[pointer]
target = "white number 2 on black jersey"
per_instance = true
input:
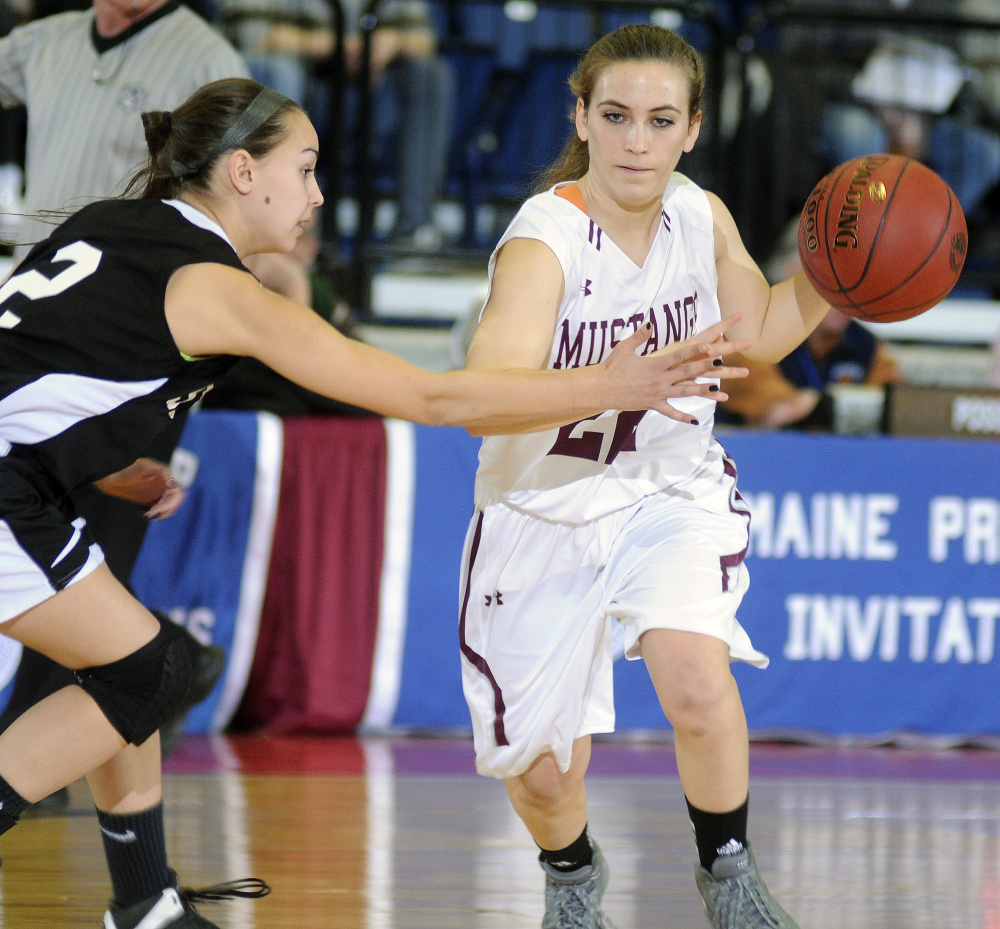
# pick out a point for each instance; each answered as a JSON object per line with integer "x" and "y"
{"x": 83, "y": 259}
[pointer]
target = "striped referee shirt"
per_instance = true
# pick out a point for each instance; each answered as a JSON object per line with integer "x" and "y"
{"x": 84, "y": 96}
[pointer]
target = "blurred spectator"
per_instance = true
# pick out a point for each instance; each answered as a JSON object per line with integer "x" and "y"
{"x": 823, "y": 90}
{"x": 766, "y": 399}
{"x": 840, "y": 351}
{"x": 903, "y": 98}
{"x": 413, "y": 88}
{"x": 794, "y": 394}
{"x": 412, "y": 110}
{"x": 281, "y": 41}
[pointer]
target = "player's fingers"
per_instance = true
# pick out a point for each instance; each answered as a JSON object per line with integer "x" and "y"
{"x": 719, "y": 329}
{"x": 714, "y": 335}
{"x": 679, "y": 415}
{"x": 730, "y": 371}
{"x": 635, "y": 341}
{"x": 706, "y": 349}
{"x": 718, "y": 350}
{"x": 705, "y": 391}
{"x": 168, "y": 503}
{"x": 705, "y": 367}
{"x": 721, "y": 348}
{"x": 672, "y": 413}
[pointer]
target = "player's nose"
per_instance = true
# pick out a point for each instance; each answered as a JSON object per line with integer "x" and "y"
{"x": 638, "y": 138}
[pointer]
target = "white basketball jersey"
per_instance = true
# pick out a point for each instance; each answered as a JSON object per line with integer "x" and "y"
{"x": 587, "y": 469}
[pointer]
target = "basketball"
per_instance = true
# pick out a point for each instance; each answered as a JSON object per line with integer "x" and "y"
{"x": 883, "y": 238}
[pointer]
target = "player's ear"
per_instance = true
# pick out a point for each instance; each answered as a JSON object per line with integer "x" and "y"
{"x": 241, "y": 170}
{"x": 694, "y": 127}
{"x": 581, "y": 119}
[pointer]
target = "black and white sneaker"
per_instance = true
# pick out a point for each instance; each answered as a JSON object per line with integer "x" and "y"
{"x": 173, "y": 907}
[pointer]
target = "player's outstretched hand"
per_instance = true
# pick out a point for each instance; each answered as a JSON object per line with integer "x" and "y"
{"x": 681, "y": 369}
{"x": 146, "y": 482}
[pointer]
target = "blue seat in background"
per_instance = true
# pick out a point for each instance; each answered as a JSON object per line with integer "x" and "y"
{"x": 695, "y": 30}
{"x": 536, "y": 126}
{"x": 562, "y": 29}
{"x": 512, "y": 62}
{"x": 512, "y": 113}
{"x": 486, "y": 25}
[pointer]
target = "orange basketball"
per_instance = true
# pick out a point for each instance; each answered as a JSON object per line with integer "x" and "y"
{"x": 883, "y": 238}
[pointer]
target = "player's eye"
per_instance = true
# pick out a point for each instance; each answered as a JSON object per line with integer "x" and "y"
{"x": 613, "y": 116}
{"x": 662, "y": 122}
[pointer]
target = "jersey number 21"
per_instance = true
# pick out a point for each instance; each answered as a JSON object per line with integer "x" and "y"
{"x": 589, "y": 443}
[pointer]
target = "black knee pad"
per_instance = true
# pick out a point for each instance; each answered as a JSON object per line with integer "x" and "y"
{"x": 139, "y": 692}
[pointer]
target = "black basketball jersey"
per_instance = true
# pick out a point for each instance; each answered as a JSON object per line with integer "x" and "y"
{"x": 89, "y": 372}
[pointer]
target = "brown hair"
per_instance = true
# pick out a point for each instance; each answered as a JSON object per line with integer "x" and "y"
{"x": 222, "y": 116}
{"x": 640, "y": 42}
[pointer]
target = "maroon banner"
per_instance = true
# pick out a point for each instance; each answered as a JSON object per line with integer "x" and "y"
{"x": 313, "y": 663}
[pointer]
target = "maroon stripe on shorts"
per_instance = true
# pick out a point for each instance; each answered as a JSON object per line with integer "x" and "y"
{"x": 738, "y": 506}
{"x": 477, "y": 661}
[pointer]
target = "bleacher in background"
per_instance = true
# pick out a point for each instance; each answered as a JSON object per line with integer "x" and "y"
{"x": 771, "y": 68}
{"x": 768, "y": 79}
{"x": 512, "y": 61}
{"x": 769, "y": 76}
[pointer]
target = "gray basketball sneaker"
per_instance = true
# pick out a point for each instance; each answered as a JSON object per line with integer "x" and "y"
{"x": 736, "y": 898}
{"x": 573, "y": 899}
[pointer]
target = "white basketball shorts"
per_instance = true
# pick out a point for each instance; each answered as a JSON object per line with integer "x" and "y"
{"x": 538, "y": 600}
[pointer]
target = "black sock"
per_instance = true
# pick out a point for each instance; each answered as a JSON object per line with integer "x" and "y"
{"x": 718, "y": 833}
{"x": 12, "y": 805}
{"x": 576, "y": 855}
{"x": 136, "y": 853}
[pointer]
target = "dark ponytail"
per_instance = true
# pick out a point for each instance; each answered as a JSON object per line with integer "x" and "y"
{"x": 157, "y": 127}
{"x": 185, "y": 143}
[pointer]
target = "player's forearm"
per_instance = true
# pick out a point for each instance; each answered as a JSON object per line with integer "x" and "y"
{"x": 522, "y": 400}
{"x": 794, "y": 310}
{"x": 368, "y": 377}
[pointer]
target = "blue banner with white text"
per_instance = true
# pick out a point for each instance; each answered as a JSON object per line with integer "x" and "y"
{"x": 874, "y": 565}
{"x": 875, "y": 588}
{"x": 875, "y": 584}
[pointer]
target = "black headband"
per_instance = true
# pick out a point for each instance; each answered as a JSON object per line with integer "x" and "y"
{"x": 261, "y": 109}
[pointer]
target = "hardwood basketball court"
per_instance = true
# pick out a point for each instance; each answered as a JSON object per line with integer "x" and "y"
{"x": 401, "y": 834}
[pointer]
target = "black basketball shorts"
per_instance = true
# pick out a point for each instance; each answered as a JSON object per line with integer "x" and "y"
{"x": 43, "y": 547}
